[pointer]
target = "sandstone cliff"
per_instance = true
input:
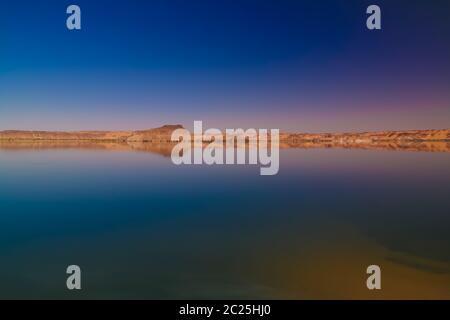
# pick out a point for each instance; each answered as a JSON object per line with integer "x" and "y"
{"x": 55, "y": 135}
{"x": 369, "y": 137}
{"x": 162, "y": 134}
{"x": 159, "y": 139}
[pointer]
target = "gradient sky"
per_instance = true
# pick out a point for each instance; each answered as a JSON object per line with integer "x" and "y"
{"x": 296, "y": 65}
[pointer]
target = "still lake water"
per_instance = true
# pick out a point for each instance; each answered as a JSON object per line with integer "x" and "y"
{"x": 141, "y": 227}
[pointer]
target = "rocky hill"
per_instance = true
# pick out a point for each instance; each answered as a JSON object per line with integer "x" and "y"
{"x": 162, "y": 134}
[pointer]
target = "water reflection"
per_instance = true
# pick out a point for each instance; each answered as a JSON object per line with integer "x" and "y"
{"x": 165, "y": 148}
{"x": 141, "y": 227}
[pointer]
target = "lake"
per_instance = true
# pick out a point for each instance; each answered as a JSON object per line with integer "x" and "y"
{"x": 141, "y": 227}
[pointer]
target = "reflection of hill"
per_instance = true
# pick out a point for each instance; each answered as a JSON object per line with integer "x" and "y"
{"x": 165, "y": 148}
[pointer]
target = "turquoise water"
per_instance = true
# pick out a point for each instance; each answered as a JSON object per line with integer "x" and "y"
{"x": 141, "y": 227}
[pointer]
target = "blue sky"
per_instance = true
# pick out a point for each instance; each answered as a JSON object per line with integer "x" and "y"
{"x": 295, "y": 65}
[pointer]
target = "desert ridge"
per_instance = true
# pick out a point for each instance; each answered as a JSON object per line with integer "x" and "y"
{"x": 164, "y": 133}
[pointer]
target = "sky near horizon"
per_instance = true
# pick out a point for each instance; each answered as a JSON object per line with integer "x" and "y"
{"x": 295, "y": 65}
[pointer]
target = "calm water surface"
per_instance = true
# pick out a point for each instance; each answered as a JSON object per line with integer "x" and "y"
{"x": 140, "y": 227}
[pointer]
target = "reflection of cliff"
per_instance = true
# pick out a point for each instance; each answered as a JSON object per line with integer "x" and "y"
{"x": 158, "y": 140}
{"x": 163, "y": 149}
{"x": 430, "y": 146}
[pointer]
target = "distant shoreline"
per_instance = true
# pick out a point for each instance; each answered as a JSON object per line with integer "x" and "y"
{"x": 159, "y": 140}
{"x": 163, "y": 134}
